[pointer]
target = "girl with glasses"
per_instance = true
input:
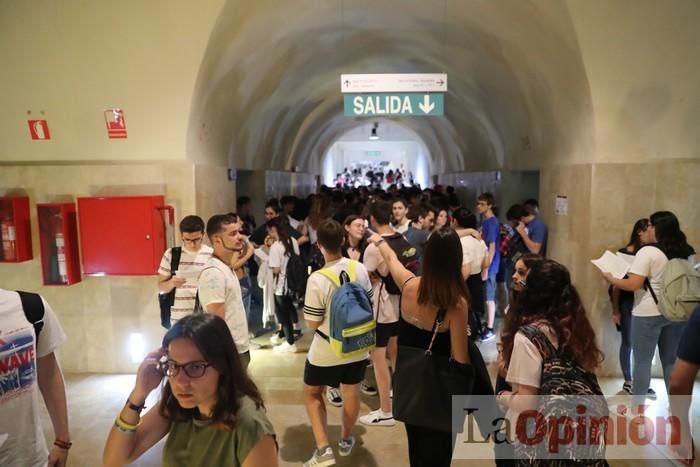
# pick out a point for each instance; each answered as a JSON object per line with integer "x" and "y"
{"x": 209, "y": 408}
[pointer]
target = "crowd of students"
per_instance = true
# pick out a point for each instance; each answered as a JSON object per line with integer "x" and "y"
{"x": 428, "y": 276}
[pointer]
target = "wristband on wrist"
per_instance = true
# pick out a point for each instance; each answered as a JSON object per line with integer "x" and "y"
{"x": 134, "y": 407}
{"x": 125, "y": 427}
{"x": 63, "y": 444}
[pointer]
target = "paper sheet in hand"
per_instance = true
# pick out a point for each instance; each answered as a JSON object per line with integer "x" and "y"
{"x": 613, "y": 264}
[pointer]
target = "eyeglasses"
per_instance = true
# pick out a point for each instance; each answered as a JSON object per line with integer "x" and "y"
{"x": 193, "y": 241}
{"x": 192, "y": 369}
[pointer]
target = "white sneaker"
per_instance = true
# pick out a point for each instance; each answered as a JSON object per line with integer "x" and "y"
{"x": 378, "y": 418}
{"x": 333, "y": 396}
{"x": 345, "y": 446}
{"x": 285, "y": 347}
{"x": 275, "y": 339}
{"x": 321, "y": 459}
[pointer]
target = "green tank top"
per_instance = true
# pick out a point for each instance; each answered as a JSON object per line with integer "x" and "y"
{"x": 197, "y": 443}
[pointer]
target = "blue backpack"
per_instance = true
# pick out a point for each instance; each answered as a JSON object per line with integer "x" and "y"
{"x": 352, "y": 324}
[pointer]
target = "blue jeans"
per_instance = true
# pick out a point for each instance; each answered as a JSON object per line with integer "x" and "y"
{"x": 626, "y": 338}
{"x": 647, "y": 333}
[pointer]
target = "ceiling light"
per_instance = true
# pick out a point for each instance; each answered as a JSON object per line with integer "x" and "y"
{"x": 373, "y": 134}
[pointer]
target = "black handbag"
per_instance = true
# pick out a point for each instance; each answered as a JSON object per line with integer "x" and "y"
{"x": 424, "y": 384}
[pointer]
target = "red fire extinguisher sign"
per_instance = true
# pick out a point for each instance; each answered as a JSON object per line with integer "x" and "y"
{"x": 116, "y": 125}
{"x": 39, "y": 129}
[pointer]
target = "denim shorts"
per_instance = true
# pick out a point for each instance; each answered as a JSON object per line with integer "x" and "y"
{"x": 490, "y": 285}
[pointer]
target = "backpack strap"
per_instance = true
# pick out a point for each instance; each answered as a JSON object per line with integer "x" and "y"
{"x": 647, "y": 287}
{"x": 335, "y": 278}
{"x": 175, "y": 254}
{"x": 33, "y": 307}
{"x": 541, "y": 341}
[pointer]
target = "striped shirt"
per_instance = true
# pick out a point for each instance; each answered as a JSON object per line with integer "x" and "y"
{"x": 191, "y": 264}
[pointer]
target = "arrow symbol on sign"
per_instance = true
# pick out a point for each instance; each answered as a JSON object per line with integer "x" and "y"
{"x": 441, "y": 82}
{"x": 347, "y": 83}
{"x": 426, "y": 106}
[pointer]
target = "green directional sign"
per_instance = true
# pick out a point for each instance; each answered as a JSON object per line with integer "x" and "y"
{"x": 411, "y": 104}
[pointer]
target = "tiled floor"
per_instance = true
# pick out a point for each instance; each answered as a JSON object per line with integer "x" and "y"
{"x": 94, "y": 400}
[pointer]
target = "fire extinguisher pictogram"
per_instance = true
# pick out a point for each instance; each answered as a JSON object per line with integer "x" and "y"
{"x": 7, "y": 233}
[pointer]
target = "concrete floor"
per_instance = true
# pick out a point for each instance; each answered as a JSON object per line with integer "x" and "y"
{"x": 95, "y": 399}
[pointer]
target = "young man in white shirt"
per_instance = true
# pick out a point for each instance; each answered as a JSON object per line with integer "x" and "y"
{"x": 386, "y": 308}
{"x": 323, "y": 368}
{"x": 28, "y": 367}
{"x": 219, "y": 288}
{"x": 193, "y": 257}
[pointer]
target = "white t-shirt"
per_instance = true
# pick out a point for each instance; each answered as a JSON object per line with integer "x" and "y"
{"x": 218, "y": 284}
{"x": 191, "y": 264}
{"x": 526, "y": 361}
{"x": 319, "y": 292}
{"x": 473, "y": 252}
{"x": 386, "y": 306}
{"x": 22, "y": 442}
{"x": 313, "y": 235}
{"x": 648, "y": 262}
{"x": 403, "y": 227}
{"x": 279, "y": 259}
{"x": 526, "y": 364}
{"x": 293, "y": 222}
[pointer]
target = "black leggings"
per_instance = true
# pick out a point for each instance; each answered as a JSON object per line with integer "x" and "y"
{"x": 286, "y": 314}
{"x": 429, "y": 448}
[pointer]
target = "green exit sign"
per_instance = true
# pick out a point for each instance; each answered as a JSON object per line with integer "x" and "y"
{"x": 400, "y": 104}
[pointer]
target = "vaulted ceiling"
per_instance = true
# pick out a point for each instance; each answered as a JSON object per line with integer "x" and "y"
{"x": 268, "y": 92}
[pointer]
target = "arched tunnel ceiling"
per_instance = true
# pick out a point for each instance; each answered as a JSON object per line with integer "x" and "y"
{"x": 268, "y": 91}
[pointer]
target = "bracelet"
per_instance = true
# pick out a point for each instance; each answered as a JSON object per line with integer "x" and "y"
{"x": 63, "y": 444}
{"x": 125, "y": 427}
{"x": 134, "y": 407}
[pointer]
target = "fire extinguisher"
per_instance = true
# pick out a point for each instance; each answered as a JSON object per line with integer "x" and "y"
{"x": 61, "y": 257}
{"x": 7, "y": 233}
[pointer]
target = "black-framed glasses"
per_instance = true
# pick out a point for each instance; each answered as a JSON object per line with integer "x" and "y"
{"x": 191, "y": 369}
{"x": 193, "y": 241}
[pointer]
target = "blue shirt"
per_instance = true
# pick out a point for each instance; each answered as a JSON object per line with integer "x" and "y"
{"x": 491, "y": 231}
{"x": 537, "y": 231}
{"x": 688, "y": 348}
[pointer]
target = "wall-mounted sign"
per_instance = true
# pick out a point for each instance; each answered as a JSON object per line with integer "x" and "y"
{"x": 561, "y": 205}
{"x": 394, "y": 82}
{"x": 417, "y": 105}
{"x": 39, "y": 129}
{"x": 116, "y": 125}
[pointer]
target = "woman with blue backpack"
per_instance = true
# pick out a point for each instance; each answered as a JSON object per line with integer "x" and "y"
{"x": 650, "y": 328}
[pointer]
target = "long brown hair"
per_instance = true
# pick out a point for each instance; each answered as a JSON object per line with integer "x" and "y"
{"x": 549, "y": 296}
{"x": 441, "y": 283}
{"x": 213, "y": 339}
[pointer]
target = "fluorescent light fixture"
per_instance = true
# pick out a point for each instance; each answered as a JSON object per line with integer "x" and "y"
{"x": 137, "y": 347}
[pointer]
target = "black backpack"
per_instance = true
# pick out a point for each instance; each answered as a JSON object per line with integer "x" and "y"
{"x": 33, "y": 308}
{"x": 297, "y": 274}
{"x": 407, "y": 255}
{"x": 166, "y": 300}
{"x": 563, "y": 375}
